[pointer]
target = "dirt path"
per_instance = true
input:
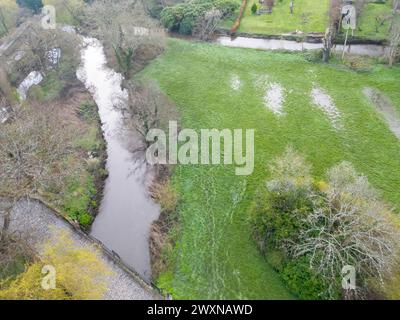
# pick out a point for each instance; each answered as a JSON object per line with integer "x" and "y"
{"x": 384, "y": 106}
{"x": 34, "y": 218}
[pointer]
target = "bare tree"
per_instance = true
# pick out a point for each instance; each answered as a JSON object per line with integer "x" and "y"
{"x": 335, "y": 16}
{"x": 270, "y": 5}
{"x": 126, "y": 28}
{"x": 327, "y": 44}
{"x": 332, "y": 30}
{"x": 145, "y": 109}
{"x": 206, "y": 24}
{"x": 351, "y": 228}
{"x": 35, "y": 147}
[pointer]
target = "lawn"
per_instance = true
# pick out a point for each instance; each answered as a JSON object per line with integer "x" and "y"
{"x": 215, "y": 256}
{"x": 368, "y": 27}
{"x": 309, "y": 16}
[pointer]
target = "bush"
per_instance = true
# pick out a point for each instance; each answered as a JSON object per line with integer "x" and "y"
{"x": 323, "y": 226}
{"x": 171, "y": 17}
{"x": 254, "y": 8}
{"x": 88, "y": 111}
{"x": 183, "y": 17}
{"x": 164, "y": 194}
{"x": 304, "y": 282}
{"x": 313, "y": 55}
{"x": 358, "y": 63}
{"x": 227, "y": 7}
{"x": 85, "y": 219}
{"x": 284, "y": 201}
{"x": 280, "y": 214}
{"x": 276, "y": 259}
{"x": 78, "y": 200}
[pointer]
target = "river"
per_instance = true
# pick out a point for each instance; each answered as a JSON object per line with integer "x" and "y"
{"x": 126, "y": 210}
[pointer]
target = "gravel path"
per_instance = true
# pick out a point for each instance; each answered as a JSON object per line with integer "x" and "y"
{"x": 35, "y": 219}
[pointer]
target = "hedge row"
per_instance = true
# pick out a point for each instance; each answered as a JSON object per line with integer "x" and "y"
{"x": 182, "y": 17}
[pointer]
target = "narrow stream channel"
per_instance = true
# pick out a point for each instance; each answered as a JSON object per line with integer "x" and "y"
{"x": 275, "y": 44}
{"x": 126, "y": 211}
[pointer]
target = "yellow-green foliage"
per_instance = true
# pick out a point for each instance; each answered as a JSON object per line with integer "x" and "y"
{"x": 80, "y": 274}
{"x": 27, "y": 286}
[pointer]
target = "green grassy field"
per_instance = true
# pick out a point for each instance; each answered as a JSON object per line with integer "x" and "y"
{"x": 312, "y": 16}
{"x": 309, "y": 16}
{"x": 367, "y": 26}
{"x": 215, "y": 256}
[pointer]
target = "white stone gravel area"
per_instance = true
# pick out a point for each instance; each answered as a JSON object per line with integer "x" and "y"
{"x": 33, "y": 218}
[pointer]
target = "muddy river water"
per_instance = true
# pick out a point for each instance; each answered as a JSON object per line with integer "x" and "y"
{"x": 126, "y": 211}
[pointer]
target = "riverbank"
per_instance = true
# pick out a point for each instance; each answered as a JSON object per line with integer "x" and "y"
{"x": 310, "y": 37}
{"x": 290, "y": 45}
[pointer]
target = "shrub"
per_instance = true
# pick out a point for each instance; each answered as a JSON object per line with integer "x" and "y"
{"x": 304, "y": 282}
{"x": 279, "y": 216}
{"x": 171, "y": 16}
{"x": 276, "y": 259}
{"x": 164, "y": 194}
{"x": 78, "y": 199}
{"x": 323, "y": 226}
{"x": 227, "y": 7}
{"x": 357, "y": 63}
{"x": 183, "y": 17}
{"x": 85, "y": 219}
{"x": 284, "y": 201}
{"x": 313, "y": 55}
{"x": 254, "y": 8}
{"x": 88, "y": 111}
{"x": 348, "y": 226}
{"x": 164, "y": 231}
